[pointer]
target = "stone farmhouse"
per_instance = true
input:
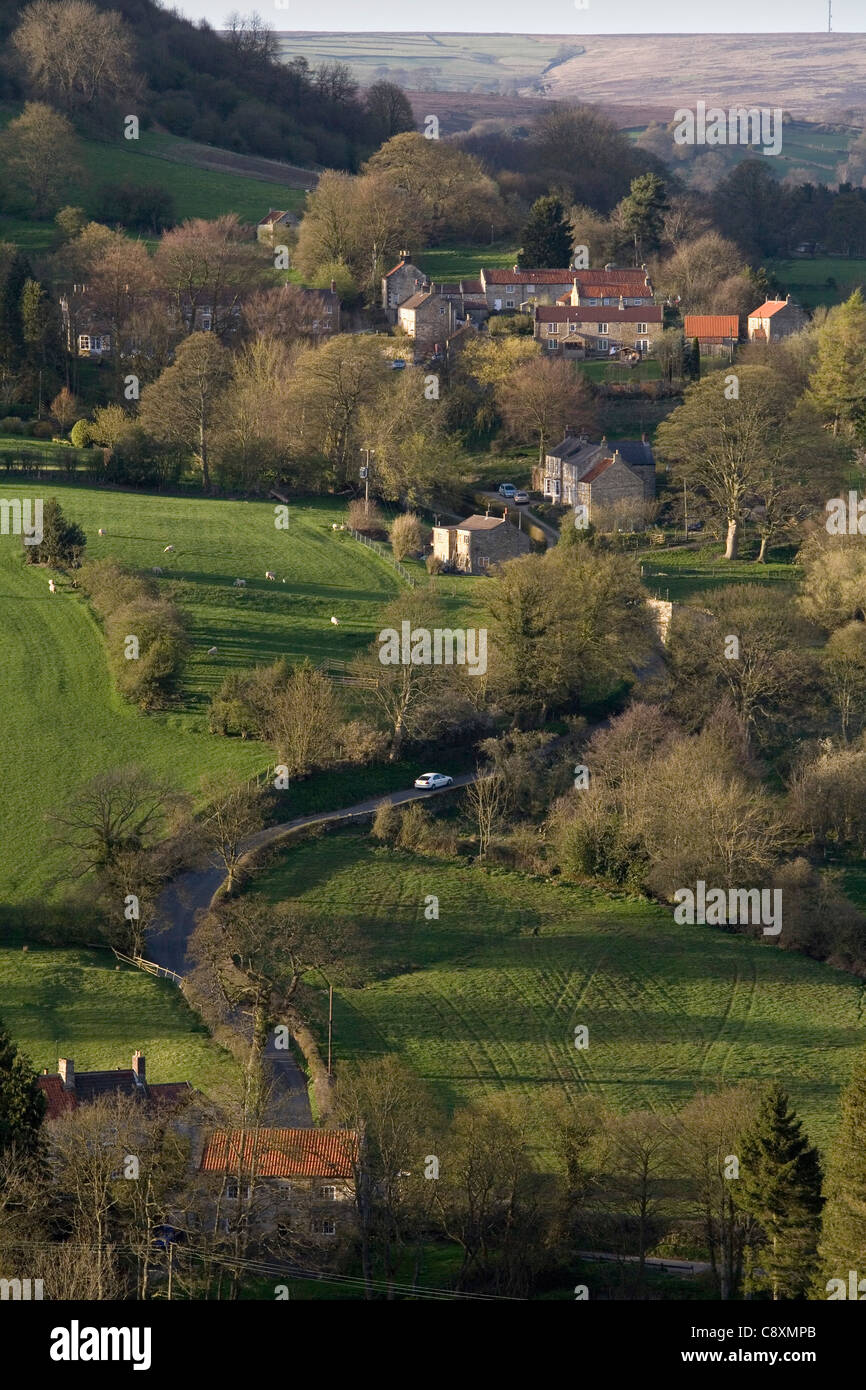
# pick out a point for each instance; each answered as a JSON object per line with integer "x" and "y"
{"x": 506, "y": 290}
{"x": 582, "y": 330}
{"x": 428, "y": 317}
{"x": 310, "y": 1174}
{"x": 717, "y": 334}
{"x": 399, "y": 284}
{"x": 66, "y": 1089}
{"x": 475, "y": 545}
{"x": 613, "y": 491}
{"x": 570, "y": 462}
{"x": 775, "y": 319}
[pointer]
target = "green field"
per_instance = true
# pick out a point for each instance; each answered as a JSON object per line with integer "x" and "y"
{"x": 152, "y": 159}
{"x": 76, "y": 1004}
{"x": 686, "y": 573}
{"x": 476, "y": 1004}
{"x": 465, "y": 262}
{"x": 60, "y": 712}
{"x": 807, "y": 280}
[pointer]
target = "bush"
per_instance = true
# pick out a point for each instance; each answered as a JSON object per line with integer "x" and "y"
{"x": 406, "y": 536}
{"x": 138, "y": 207}
{"x": 362, "y": 743}
{"x": 40, "y": 429}
{"x": 130, "y": 606}
{"x": 80, "y": 435}
{"x": 435, "y": 564}
{"x": 386, "y": 823}
{"x": 11, "y": 425}
{"x": 369, "y": 521}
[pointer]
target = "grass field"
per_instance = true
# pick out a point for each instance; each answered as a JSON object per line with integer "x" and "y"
{"x": 152, "y": 160}
{"x": 476, "y": 1004}
{"x": 685, "y": 574}
{"x": 74, "y": 1003}
{"x": 821, "y": 279}
{"x": 465, "y": 262}
{"x": 60, "y": 712}
{"x": 430, "y": 62}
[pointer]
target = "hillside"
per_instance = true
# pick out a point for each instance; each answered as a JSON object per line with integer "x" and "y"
{"x": 814, "y": 76}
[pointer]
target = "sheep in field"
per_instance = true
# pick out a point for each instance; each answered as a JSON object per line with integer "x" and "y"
{"x": 211, "y": 651}
{"x": 336, "y": 622}
{"x": 52, "y": 587}
{"x": 269, "y": 574}
{"x": 240, "y": 583}
{"x": 168, "y": 549}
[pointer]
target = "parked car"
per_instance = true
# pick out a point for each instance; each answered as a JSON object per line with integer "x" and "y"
{"x": 430, "y": 780}
{"x": 520, "y": 497}
{"x": 507, "y": 489}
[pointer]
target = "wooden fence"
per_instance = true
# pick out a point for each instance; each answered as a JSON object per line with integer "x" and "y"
{"x": 150, "y": 967}
{"x": 342, "y": 673}
{"x": 385, "y": 554}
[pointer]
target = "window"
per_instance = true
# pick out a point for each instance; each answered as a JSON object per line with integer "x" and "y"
{"x": 641, "y": 328}
{"x": 483, "y": 561}
{"x": 572, "y": 328}
{"x": 642, "y": 344}
{"x": 553, "y": 328}
{"x": 326, "y": 1228}
{"x": 602, "y": 328}
{"x": 552, "y": 344}
{"x": 233, "y": 1190}
{"x": 603, "y": 344}
{"x": 205, "y": 323}
{"x": 328, "y": 1193}
{"x": 509, "y": 289}
{"x": 84, "y": 342}
{"x": 96, "y": 344}
{"x": 509, "y": 303}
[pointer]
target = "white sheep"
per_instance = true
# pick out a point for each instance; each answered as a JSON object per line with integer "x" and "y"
{"x": 168, "y": 549}
{"x": 157, "y": 569}
{"x": 101, "y": 531}
{"x": 52, "y": 587}
{"x": 269, "y": 574}
{"x": 334, "y": 526}
{"x": 336, "y": 622}
{"x": 240, "y": 583}
{"x": 211, "y": 651}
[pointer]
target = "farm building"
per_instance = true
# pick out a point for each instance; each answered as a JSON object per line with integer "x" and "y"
{"x": 474, "y": 545}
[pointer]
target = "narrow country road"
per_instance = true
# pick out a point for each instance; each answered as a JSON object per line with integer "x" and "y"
{"x": 191, "y": 892}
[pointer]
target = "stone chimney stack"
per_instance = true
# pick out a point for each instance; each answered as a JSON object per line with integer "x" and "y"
{"x": 66, "y": 1067}
{"x": 138, "y": 1068}
{"x": 333, "y": 287}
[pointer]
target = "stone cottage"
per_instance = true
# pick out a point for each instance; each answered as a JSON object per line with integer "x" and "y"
{"x": 473, "y": 546}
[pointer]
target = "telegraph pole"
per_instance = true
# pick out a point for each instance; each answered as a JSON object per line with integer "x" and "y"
{"x": 365, "y": 474}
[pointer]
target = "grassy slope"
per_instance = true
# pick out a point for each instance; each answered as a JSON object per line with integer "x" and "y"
{"x": 685, "y": 574}
{"x": 196, "y": 192}
{"x": 74, "y": 1003}
{"x": 59, "y": 709}
{"x": 806, "y": 279}
{"x": 475, "y": 1003}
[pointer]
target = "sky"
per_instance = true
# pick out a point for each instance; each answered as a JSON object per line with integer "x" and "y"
{"x": 544, "y": 16}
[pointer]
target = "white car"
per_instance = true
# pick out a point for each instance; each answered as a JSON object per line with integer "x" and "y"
{"x": 520, "y": 497}
{"x": 431, "y": 780}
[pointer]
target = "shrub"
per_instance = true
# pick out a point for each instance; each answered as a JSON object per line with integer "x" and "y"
{"x": 435, "y": 564}
{"x": 80, "y": 435}
{"x": 40, "y": 429}
{"x": 386, "y": 823}
{"x": 11, "y": 425}
{"x": 139, "y": 207}
{"x": 406, "y": 536}
{"x": 362, "y": 743}
{"x": 368, "y": 520}
{"x": 130, "y": 606}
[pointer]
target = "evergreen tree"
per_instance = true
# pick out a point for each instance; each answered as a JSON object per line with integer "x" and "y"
{"x": 843, "y": 1237}
{"x": 14, "y": 271}
{"x": 780, "y": 1188}
{"x": 22, "y": 1104}
{"x": 695, "y": 360}
{"x": 641, "y": 214}
{"x": 838, "y": 384}
{"x": 546, "y": 237}
{"x": 62, "y": 541}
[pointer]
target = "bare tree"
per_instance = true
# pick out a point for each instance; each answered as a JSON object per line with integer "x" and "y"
{"x": 234, "y": 814}
{"x": 488, "y": 797}
{"x": 118, "y": 811}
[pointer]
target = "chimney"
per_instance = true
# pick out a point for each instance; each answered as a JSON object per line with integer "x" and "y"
{"x": 66, "y": 1067}
{"x": 333, "y": 287}
{"x": 138, "y": 1068}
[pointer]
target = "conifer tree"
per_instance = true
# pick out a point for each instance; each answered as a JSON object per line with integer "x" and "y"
{"x": 22, "y": 1104}
{"x": 780, "y": 1188}
{"x": 843, "y": 1236}
{"x": 546, "y": 237}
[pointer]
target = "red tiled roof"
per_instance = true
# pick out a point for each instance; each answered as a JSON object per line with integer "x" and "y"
{"x": 712, "y": 326}
{"x": 529, "y": 277}
{"x": 283, "y": 1153}
{"x": 598, "y": 313}
{"x": 57, "y": 1100}
{"x": 597, "y": 468}
{"x": 768, "y": 309}
{"x": 272, "y": 216}
{"x": 398, "y": 266}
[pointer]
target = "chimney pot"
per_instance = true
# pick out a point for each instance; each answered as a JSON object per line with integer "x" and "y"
{"x": 138, "y": 1067}
{"x": 66, "y": 1067}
